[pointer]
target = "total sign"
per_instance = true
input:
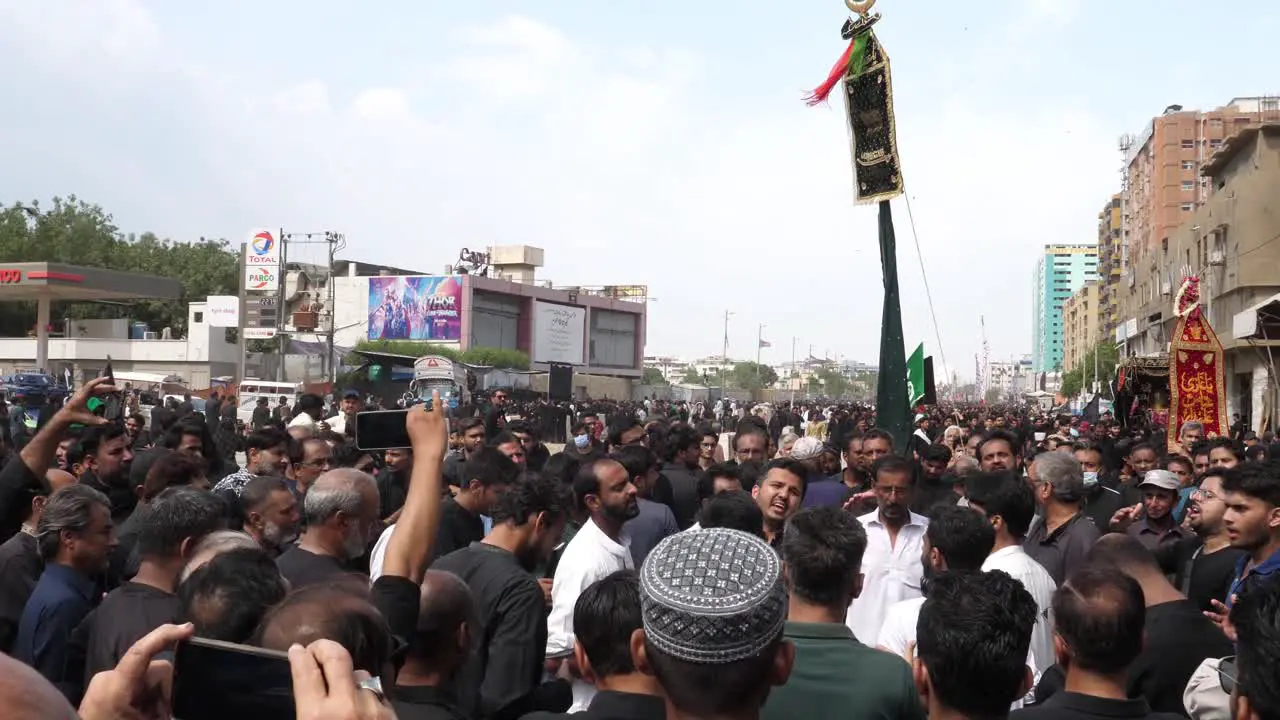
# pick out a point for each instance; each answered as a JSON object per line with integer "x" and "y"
{"x": 261, "y": 278}
{"x": 262, "y": 249}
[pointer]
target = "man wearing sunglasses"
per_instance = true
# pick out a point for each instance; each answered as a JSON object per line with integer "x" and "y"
{"x": 495, "y": 418}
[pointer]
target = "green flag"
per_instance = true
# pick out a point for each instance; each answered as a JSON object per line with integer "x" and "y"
{"x": 915, "y": 376}
{"x": 893, "y": 409}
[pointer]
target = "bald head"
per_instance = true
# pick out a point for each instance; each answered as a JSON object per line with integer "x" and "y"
{"x": 59, "y": 479}
{"x": 446, "y": 605}
{"x": 28, "y": 696}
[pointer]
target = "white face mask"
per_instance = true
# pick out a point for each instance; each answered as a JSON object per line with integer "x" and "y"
{"x": 1090, "y": 479}
{"x": 581, "y": 441}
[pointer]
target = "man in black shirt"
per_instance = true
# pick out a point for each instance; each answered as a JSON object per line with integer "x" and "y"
{"x": 1203, "y": 566}
{"x": 495, "y": 418}
{"x": 20, "y": 563}
{"x": 107, "y": 456}
{"x": 1099, "y": 617}
{"x": 471, "y": 431}
{"x": 604, "y": 618}
{"x": 340, "y": 513}
{"x": 683, "y": 449}
{"x": 503, "y": 674}
{"x": 1178, "y": 636}
{"x": 436, "y": 651}
{"x": 170, "y": 527}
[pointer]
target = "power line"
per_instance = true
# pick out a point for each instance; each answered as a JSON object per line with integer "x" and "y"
{"x": 937, "y": 331}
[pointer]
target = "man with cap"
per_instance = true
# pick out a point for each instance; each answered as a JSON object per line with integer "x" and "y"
{"x": 821, "y": 490}
{"x": 920, "y": 438}
{"x": 1152, "y": 521}
{"x": 713, "y": 607}
{"x": 344, "y": 423}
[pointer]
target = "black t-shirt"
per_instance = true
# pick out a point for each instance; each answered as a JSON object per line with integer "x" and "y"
{"x": 1179, "y": 638}
{"x": 424, "y": 703}
{"x": 1075, "y": 706}
{"x": 126, "y": 615}
{"x": 1202, "y": 577}
{"x": 20, "y": 568}
{"x": 458, "y": 528}
{"x": 303, "y": 567}
{"x": 510, "y": 638}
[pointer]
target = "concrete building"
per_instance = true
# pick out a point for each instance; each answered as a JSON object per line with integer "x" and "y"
{"x": 1010, "y": 378}
{"x": 600, "y": 330}
{"x": 1230, "y": 244}
{"x": 1060, "y": 272}
{"x": 1165, "y": 164}
{"x": 1080, "y": 331}
{"x": 1110, "y": 263}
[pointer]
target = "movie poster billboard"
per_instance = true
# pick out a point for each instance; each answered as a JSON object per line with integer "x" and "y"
{"x": 415, "y": 307}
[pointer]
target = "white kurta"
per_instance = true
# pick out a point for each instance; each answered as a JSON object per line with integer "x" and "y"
{"x": 590, "y": 556}
{"x": 1020, "y": 566}
{"x": 890, "y": 573}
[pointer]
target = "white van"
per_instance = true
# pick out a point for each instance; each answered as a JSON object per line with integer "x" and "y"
{"x": 251, "y": 389}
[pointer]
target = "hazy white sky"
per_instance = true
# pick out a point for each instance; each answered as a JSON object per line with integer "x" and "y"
{"x": 660, "y": 142}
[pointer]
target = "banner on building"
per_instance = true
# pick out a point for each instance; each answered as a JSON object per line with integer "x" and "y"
{"x": 559, "y": 333}
{"x": 415, "y": 307}
{"x": 1196, "y": 376}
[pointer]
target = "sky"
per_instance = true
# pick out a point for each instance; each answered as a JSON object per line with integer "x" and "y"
{"x": 662, "y": 143}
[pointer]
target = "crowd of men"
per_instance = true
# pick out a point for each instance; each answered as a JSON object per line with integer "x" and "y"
{"x": 802, "y": 564}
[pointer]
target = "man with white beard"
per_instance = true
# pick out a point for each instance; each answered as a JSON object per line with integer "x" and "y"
{"x": 340, "y": 513}
{"x": 271, "y": 513}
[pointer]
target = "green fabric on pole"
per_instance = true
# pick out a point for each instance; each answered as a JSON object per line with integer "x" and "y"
{"x": 915, "y": 376}
{"x": 858, "y": 58}
{"x": 893, "y": 409}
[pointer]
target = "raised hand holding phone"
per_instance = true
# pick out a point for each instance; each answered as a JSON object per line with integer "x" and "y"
{"x": 76, "y": 409}
{"x": 428, "y": 429}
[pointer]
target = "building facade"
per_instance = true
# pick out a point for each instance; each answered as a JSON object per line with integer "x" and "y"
{"x": 1060, "y": 272}
{"x": 1080, "y": 325}
{"x": 1165, "y": 164}
{"x": 1110, "y": 263}
{"x": 1230, "y": 244}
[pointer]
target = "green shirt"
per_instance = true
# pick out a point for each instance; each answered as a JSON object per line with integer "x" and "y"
{"x": 835, "y": 676}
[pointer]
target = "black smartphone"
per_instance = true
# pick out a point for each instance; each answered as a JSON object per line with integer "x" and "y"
{"x": 214, "y": 680}
{"x": 382, "y": 429}
{"x": 109, "y": 373}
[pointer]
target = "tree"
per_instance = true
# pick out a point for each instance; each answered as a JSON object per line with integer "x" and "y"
{"x": 1108, "y": 356}
{"x": 752, "y": 376}
{"x": 654, "y": 376}
{"x": 691, "y": 376}
{"x": 74, "y": 232}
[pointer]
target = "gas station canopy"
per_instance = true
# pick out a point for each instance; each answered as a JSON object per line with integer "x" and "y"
{"x": 47, "y": 282}
{"x": 55, "y": 281}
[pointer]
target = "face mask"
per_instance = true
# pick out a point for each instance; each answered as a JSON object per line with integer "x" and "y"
{"x": 581, "y": 441}
{"x": 1090, "y": 479}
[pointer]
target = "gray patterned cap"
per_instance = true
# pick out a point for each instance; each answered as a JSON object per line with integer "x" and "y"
{"x": 712, "y": 596}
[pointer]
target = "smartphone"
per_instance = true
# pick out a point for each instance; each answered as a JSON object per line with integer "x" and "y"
{"x": 214, "y": 680}
{"x": 109, "y": 373}
{"x": 382, "y": 429}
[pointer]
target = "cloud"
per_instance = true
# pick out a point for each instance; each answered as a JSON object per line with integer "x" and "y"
{"x": 620, "y": 160}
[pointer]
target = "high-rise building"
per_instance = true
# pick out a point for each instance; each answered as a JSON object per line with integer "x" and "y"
{"x": 1165, "y": 161}
{"x": 1079, "y": 325}
{"x": 1060, "y": 272}
{"x": 1110, "y": 264}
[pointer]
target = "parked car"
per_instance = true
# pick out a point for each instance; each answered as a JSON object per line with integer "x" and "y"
{"x": 22, "y": 385}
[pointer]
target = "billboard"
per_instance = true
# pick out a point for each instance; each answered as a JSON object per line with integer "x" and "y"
{"x": 558, "y": 332}
{"x": 415, "y": 307}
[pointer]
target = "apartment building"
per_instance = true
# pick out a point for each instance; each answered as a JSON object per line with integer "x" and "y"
{"x": 1230, "y": 242}
{"x": 1080, "y": 329}
{"x": 1060, "y": 271}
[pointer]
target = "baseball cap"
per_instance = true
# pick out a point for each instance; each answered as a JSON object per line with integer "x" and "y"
{"x": 1162, "y": 479}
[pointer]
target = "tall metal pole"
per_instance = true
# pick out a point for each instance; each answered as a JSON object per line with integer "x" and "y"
{"x": 242, "y": 354}
{"x": 282, "y": 304}
{"x": 724, "y": 356}
{"x": 759, "y": 344}
{"x": 793, "y": 370}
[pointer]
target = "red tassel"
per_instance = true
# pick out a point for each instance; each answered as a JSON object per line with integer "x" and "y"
{"x": 823, "y": 91}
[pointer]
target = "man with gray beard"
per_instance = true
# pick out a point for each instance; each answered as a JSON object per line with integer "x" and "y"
{"x": 271, "y": 513}
{"x": 340, "y": 513}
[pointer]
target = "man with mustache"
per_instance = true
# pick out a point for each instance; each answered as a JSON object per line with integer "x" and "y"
{"x": 779, "y": 495}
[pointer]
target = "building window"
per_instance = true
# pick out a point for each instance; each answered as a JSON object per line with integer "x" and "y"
{"x": 1188, "y": 185}
{"x": 1187, "y": 207}
{"x": 198, "y": 317}
{"x": 1215, "y": 143}
{"x": 1188, "y": 164}
{"x": 1189, "y": 144}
